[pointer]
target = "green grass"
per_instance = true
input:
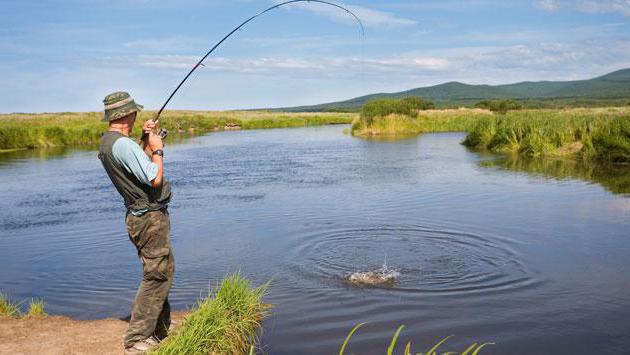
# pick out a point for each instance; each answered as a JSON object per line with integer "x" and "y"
{"x": 398, "y": 125}
{"x": 228, "y": 321}
{"x": 26, "y": 131}
{"x": 36, "y": 309}
{"x": 591, "y": 134}
{"x": 9, "y": 309}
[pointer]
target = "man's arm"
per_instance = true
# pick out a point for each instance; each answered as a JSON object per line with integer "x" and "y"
{"x": 132, "y": 158}
{"x": 155, "y": 143}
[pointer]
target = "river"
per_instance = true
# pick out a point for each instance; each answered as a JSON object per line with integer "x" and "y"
{"x": 529, "y": 256}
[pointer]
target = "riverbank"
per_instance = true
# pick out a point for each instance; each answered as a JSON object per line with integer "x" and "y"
{"x": 227, "y": 321}
{"x": 601, "y": 134}
{"x": 27, "y": 131}
{"x": 62, "y": 335}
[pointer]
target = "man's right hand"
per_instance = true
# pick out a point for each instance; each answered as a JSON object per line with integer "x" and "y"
{"x": 155, "y": 142}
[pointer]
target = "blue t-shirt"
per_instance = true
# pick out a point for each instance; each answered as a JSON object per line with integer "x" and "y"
{"x": 134, "y": 160}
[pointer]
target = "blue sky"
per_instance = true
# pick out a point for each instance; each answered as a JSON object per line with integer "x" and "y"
{"x": 66, "y": 55}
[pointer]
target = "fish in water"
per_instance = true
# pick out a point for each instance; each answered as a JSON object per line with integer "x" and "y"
{"x": 383, "y": 277}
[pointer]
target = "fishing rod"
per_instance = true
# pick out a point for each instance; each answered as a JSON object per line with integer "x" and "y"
{"x": 163, "y": 132}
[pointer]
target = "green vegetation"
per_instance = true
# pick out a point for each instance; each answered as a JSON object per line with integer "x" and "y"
{"x": 598, "y": 134}
{"x": 36, "y": 308}
{"x": 228, "y": 321}
{"x": 593, "y": 134}
{"x": 499, "y": 106}
{"x": 473, "y": 349}
{"x": 7, "y": 308}
{"x": 408, "y": 106}
{"x": 24, "y": 131}
{"x": 411, "y": 116}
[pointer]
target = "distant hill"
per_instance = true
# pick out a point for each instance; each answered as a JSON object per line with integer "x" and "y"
{"x": 609, "y": 87}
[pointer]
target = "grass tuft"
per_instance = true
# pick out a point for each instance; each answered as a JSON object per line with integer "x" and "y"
{"x": 9, "y": 309}
{"x": 228, "y": 321}
{"x": 36, "y": 309}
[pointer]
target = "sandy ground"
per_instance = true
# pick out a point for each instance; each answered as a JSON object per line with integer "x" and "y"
{"x": 61, "y": 335}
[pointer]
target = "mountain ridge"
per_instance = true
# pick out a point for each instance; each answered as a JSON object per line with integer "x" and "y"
{"x": 613, "y": 85}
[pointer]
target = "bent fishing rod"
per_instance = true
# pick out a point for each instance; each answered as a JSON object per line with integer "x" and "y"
{"x": 163, "y": 132}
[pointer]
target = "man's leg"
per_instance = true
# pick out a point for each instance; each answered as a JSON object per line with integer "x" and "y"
{"x": 163, "y": 322}
{"x": 150, "y": 234}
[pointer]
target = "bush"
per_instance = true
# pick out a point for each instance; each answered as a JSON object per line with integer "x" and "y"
{"x": 408, "y": 106}
{"x": 499, "y": 106}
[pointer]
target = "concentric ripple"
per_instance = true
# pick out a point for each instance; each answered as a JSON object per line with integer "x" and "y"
{"x": 428, "y": 260}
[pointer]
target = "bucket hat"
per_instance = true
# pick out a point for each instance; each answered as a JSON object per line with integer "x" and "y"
{"x": 118, "y": 105}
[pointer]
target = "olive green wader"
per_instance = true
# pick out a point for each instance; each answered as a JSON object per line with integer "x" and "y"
{"x": 149, "y": 232}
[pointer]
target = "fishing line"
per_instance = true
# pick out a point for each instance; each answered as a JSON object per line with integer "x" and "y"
{"x": 163, "y": 132}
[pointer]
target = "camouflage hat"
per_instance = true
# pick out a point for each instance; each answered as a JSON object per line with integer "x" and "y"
{"x": 119, "y": 105}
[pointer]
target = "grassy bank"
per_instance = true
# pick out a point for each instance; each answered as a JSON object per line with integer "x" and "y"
{"x": 601, "y": 134}
{"x": 24, "y": 131}
{"x": 427, "y": 121}
{"x": 228, "y": 321}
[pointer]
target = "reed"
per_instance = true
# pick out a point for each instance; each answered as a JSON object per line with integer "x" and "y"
{"x": 228, "y": 321}
{"x": 592, "y": 134}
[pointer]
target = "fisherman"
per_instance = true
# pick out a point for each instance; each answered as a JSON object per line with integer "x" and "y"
{"x": 146, "y": 193}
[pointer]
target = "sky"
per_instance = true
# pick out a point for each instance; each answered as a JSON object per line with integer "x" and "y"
{"x": 66, "y": 55}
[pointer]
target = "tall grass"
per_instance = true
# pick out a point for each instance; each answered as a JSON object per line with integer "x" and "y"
{"x": 600, "y": 134}
{"x": 422, "y": 121}
{"x": 228, "y": 321}
{"x": 24, "y": 131}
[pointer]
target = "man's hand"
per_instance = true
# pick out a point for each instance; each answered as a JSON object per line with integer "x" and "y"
{"x": 155, "y": 142}
{"x": 148, "y": 126}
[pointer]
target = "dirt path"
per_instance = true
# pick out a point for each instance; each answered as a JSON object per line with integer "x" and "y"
{"x": 61, "y": 335}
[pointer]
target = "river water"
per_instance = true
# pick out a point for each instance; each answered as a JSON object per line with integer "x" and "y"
{"x": 534, "y": 257}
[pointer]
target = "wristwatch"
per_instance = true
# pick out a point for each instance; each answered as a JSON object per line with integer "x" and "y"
{"x": 159, "y": 152}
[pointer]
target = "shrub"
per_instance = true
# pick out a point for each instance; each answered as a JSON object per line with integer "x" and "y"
{"x": 408, "y": 106}
{"x": 499, "y": 106}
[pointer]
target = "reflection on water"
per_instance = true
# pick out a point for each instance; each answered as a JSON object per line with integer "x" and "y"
{"x": 613, "y": 177}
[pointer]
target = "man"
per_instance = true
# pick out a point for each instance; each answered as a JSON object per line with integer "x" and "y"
{"x": 139, "y": 179}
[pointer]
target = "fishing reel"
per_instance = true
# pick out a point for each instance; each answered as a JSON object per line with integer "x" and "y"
{"x": 163, "y": 132}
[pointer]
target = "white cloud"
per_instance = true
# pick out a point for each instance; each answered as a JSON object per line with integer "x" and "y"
{"x": 369, "y": 17}
{"x": 547, "y": 5}
{"x": 587, "y": 6}
{"x": 603, "y": 6}
{"x": 274, "y": 64}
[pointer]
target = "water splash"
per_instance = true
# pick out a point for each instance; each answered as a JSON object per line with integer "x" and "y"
{"x": 382, "y": 277}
